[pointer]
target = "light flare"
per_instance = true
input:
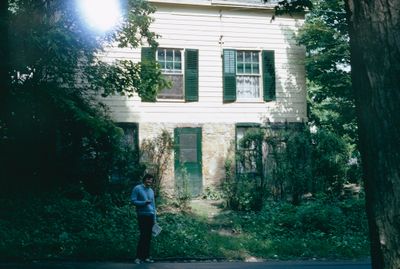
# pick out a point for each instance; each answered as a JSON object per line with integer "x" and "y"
{"x": 101, "y": 15}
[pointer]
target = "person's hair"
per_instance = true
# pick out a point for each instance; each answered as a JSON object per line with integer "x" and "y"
{"x": 147, "y": 176}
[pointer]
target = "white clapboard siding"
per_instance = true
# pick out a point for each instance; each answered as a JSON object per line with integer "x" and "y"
{"x": 210, "y": 30}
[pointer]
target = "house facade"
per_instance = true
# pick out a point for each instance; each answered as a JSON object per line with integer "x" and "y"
{"x": 231, "y": 67}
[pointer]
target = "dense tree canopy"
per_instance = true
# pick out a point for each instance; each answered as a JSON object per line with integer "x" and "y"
{"x": 325, "y": 36}
{"x": 52, "y": 127}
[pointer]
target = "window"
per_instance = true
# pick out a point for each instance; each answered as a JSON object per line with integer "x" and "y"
{"x": 249, "y": 151}
{"x": 129, "y": 153}
{"x": 248, "y": 75}
{"x": 131, "y": 136}
{"x": 181, "y": 67}
{"x": 170, "y": 61}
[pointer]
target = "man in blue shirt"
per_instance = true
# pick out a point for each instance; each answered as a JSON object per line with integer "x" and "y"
{"x": 143, "y": 198}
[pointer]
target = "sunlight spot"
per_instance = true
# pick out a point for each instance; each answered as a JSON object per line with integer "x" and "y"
{"x": 101, "y": 15}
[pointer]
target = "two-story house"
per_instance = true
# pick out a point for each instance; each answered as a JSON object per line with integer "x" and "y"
{"x": 232, "y": 67}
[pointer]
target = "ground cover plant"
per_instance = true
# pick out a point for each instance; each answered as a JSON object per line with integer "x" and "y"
{"x": 93, "y": 227}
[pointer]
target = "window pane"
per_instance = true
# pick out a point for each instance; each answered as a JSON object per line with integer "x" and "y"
{"x": 178, "y": 57}
{"x": 248, "y": 86}
{"x": 176, "y": 92}
{"x": 247, "y": 68}
{"x": 178, "y": 66}
{"x": 248, "y": 62}
{"x": 169, "y": 55}
{"x": 239, "y": 134}
{"x": 255, "y": 57}
{"x": 240, "y": 56}
{"x": 188, "y": 155}
{"x": 240, "y": 68}
{"x": 161, "y": 54}
{"x": 169, "y": 65}
{"x": 188, "y": 148}
{"x": 256, "y": 69}
{"x": 248, "y": 57}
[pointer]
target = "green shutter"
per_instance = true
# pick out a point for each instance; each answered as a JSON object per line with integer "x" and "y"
{"x": 191, "y": 75}
{"x": 268, "y": 58}
{"x": 229, "y": 75}
{"x": 148, "y": 54}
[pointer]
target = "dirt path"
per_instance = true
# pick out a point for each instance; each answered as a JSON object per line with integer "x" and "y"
{"x": 206, "y": 208}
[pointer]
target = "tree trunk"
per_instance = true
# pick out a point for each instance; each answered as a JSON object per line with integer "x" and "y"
{"x": 375, "y": 62}
{"x": 4, "y": 52}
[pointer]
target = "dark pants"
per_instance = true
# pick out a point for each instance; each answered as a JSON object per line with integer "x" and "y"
{"x": 145, "y": 226}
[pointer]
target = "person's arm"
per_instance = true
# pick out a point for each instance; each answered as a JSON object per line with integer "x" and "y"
{"x": 155, "y": 209}
{"x": 134, "y": 198}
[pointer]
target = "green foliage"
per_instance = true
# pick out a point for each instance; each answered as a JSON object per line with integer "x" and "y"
{"x": 182, "y": 191}
{"x": 288, "y": 164}
{"x": 52, "y": 226}
{"x": 242, "y": 194}
{"x": 103, "y": 227}
{"x": 212, "y": 193}
{"x": 330, "y": 163}
{"x": 53, "y": 129}
{"x": 330, "y": 96}
{"x": 155, "y": 155}
{"x": 126, "y": 170}
{"x": 292, "y": 6}
{"x": 251, "y": 156}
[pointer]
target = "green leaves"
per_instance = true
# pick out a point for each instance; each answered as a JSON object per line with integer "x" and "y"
{"x": 325, "y": 37}
{"x": 293, "y": 7}
{"x": 59, "y": 130}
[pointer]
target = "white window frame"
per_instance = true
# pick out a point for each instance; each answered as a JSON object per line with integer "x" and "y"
{"x": 173, "y": 71}
{"x": 259, "y": 74}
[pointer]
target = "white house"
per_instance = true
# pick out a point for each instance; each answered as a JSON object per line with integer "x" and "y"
{"x": 232, "y": 66}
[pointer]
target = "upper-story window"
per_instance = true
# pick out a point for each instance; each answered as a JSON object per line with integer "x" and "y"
{"x": 171, "y": 62}
{"x": 248, "y": 75}
{"x": 181, "y": 67}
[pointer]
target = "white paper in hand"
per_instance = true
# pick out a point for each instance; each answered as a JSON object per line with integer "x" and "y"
{"x": 156, "y": 230}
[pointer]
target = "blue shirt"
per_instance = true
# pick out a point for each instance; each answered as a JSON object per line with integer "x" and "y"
{"x": 139, "y": 195}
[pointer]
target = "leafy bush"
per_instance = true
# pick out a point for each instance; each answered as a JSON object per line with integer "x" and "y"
{"x": 182, "y": 192}
{"x": 243, "y": 194}
{"x": 287, "y": 164}
{"x": 156, "y": 154}
{"x": 103, "y": 227}
{"x": 330, "y": 163}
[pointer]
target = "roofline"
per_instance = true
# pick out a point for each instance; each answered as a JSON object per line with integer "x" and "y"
{"x": 216, "y": 3}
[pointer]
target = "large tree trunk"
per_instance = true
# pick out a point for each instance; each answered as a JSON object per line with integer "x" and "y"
{"x": 4, "y": 52}
{"x": 375, "y": 52}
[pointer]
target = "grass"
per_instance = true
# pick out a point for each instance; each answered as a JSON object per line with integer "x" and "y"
{"x": 105, "y": 228}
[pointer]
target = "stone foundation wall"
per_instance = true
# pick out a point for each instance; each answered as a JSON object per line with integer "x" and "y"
{"x": 217, "y": 145}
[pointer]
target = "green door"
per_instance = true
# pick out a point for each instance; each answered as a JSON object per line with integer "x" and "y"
{"x": 188, "y": 175}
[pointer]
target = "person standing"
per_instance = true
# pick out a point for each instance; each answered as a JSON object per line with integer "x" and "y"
{"x": 143, "y": 198}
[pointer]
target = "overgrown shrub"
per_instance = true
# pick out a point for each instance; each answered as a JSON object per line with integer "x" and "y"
{"x": 330, "y": 163}
{"x": 103, "y": 227}
{"x": 289, "y": 158}
{"x": 155, "y": 154}
{"x": 243, "y": 194}
{"x": 286, "y": 164}
{"x": 182, "y": 192}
